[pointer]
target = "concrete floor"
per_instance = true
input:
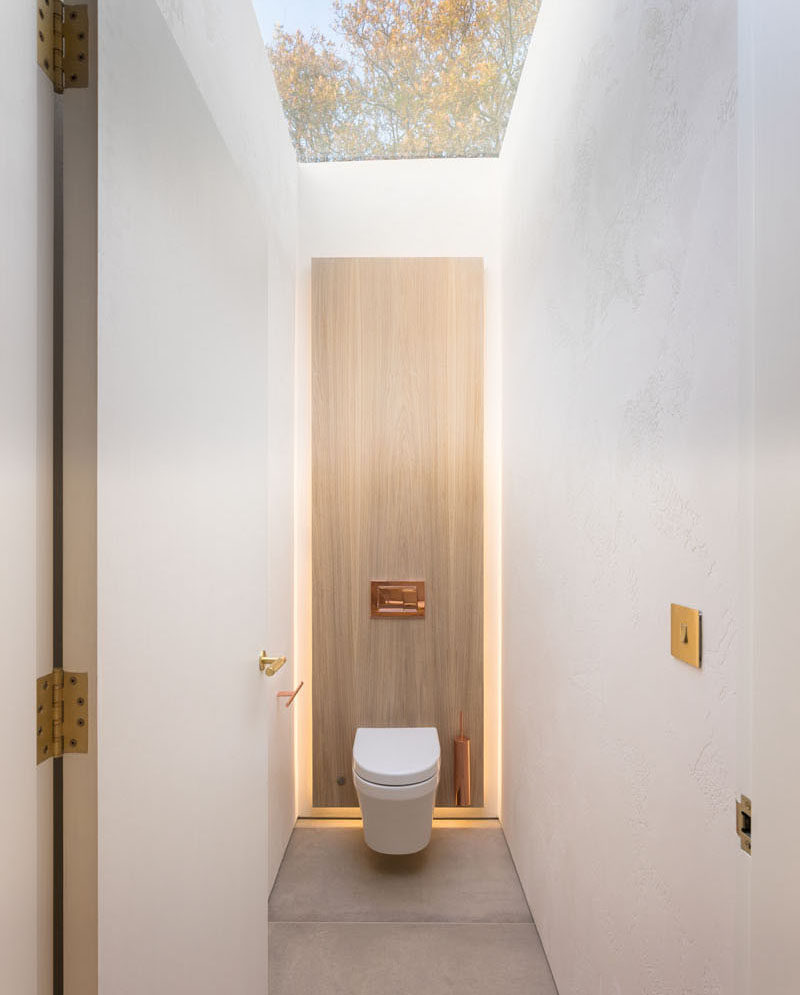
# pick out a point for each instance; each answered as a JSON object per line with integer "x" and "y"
{"x": 452, "y": 919}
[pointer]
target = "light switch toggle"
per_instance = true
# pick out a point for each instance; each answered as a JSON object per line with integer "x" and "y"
{"x": 685, "y": 634}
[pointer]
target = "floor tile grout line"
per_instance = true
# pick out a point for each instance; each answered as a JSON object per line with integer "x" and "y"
{"x": 519, "y": 879}
{"x": 530, "y": 910}
{"x": 289, "y": 926}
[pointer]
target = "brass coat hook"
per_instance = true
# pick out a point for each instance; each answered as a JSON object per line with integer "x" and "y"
{"x": 270, "y": 665}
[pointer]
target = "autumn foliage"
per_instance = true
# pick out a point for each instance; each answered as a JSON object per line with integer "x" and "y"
{"x": 404, "y": 78}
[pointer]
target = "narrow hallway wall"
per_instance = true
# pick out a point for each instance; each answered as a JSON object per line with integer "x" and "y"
{"x": 770, "y": 247}
{"x": 239, "y": 89}
{"x": 197, "y": 225}
{"x": 621, "y": 492}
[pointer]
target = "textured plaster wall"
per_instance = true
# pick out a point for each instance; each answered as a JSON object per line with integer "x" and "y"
{"x": 222, "y": 45}
{"x": 197, "y": 236}
{"x": 621, "y": 491}
{"x": 770, "y": 250}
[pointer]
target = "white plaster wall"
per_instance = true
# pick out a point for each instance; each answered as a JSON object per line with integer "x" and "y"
{"x": 621, "y": 492}
{"x": 221, "y": 43}
{"x": 222, "y": 46}
{"x": 26, "y": 643}
{"x": 280, "y": 534}
{"x": 197, "y": 200}
{"x": 770, "y": 251}
{"x": 400, "y": 208}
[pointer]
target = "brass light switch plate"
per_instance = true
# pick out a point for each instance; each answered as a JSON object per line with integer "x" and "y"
{"x": 397, "y": 599}
{"x": 685, "y": 635}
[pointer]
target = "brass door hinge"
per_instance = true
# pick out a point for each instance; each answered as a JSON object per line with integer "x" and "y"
{"x": 62, "y": 31}
{"x": 744, "y": 823}
{"x": 62, "y": 714}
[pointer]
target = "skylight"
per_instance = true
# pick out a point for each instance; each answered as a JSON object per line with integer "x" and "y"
{"x": 396, "y": 79}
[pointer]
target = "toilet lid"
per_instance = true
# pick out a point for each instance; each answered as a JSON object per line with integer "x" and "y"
{"x": 396, "y": 756}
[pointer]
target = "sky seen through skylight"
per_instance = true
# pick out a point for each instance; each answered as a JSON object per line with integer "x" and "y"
{"x": 394, "y": 79}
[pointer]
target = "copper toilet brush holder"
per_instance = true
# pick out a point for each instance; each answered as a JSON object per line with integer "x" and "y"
{"x": 461, "y": 766}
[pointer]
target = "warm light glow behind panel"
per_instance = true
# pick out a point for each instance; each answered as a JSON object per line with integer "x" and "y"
{"x": 397, "y": 492}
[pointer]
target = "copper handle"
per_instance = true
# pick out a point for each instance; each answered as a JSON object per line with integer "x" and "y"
{"x": 291, "y": 695}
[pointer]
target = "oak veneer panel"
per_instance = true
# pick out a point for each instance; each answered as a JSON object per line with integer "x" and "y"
{"x": 397, "y": 494}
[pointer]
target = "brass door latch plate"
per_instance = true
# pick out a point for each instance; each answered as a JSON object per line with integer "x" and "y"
{"x": 62, "y": 714}
{"x": 686, "y": 634}
{"x": 744, "y": 823}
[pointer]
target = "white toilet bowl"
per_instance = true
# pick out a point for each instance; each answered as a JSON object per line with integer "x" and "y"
{"x": 396, "y": 773}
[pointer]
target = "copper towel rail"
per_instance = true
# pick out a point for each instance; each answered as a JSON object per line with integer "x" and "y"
{"x": 291, "y": 695}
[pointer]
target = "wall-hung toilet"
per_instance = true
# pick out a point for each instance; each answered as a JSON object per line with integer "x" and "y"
{"x": 396, "y": 772}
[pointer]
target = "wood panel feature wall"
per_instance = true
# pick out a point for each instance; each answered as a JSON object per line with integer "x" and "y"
{"x": 397, "y": 494}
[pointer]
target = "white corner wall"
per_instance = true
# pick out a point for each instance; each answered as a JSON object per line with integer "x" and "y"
{"x": 621, "y": 486}
{"x": 223, "y": 48}
{"x": 770, "y": 248}
{"x": 416, "y": 207}
{"x": 26, "y": 487}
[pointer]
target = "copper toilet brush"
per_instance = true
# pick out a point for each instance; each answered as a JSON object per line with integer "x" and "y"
{"x": 461, "y": 766}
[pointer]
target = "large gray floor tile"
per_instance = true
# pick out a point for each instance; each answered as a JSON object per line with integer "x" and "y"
{"x": 464, "y": 875}
{"x": 406, "y": 959}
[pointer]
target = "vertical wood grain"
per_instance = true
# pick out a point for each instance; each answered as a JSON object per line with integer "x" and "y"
{"x": 397, "y": 494}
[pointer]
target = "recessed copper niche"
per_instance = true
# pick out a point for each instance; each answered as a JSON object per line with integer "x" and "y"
{"x": 397, "y": 599}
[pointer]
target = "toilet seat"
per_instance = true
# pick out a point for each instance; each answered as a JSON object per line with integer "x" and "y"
{"x": 396, "y": 775}
{"x": 396, "y": 757}
{"x": 394, "y": 792}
